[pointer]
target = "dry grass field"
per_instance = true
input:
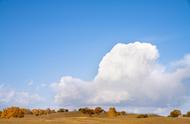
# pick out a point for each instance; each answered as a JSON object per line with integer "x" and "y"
{"x": 79, "y": 118}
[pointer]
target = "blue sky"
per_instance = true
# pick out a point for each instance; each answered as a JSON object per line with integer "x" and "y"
{"x": 42, "y": 40}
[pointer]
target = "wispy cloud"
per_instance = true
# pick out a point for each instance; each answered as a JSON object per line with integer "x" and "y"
{"x": 10, "y": 96}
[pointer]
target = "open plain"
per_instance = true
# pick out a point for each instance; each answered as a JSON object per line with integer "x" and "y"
{"x": 79, "y": 118}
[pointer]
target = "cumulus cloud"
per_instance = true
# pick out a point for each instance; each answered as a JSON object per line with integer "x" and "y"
{"x": 128, "y": 75}
{"x": 71, "y": 90}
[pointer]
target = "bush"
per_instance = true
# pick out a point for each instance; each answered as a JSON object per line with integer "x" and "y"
{"x": 63, "y": 110}
{"x": 0, "y": 113}
{"x": 122, "y": 113}
{"x": 26, "y": 111}
{"x": 88, "y": 111}
{"x": 42, "y": 112}
{"x": 15, "y": 112}
{"x": 175, "y": 113}
{"x": 112, "y": 112}
{"x": 35, "y": 112}
{"x": 142, "y": 116}
{"x": 53, "y": 111}
{"x": 188, "y": 114}
{"x": 98, "y": 110}
{"x": 39, "y": 112}
{"x": 49, "y": 111}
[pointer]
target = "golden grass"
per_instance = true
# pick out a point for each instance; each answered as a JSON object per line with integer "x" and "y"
{"x": 78, "y": 118}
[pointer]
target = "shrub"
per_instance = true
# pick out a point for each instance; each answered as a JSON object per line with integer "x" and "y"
{"x": 83, "y": 110}
{"x": 42, "y": 112}
{"x": 0, "y": 113}
{"x": 35, "y": 112}
{"x": 188, "y": 114}
{"x": 63, "y": 110}
{"x": 26, "y": 111}
{"x": 112, "y": 112}
{"x": 38, "y": 112}
{"x": 88, "y": 111}
{"x": 123, "y": 113}
{"x": 15, "y": 112}
{"x": 142, "y": 116}
{"x": 98, "y": 110}
{"x": 175, "y": 113}
{"x": 48, "y": 111}
{"x": 53, "y": 111}
{"x": 153, "y": 115}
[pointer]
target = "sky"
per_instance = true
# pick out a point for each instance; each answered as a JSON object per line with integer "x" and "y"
{"x": 53, "y": 48}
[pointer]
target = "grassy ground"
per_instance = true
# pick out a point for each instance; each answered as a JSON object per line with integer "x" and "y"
{"x": 78, "y": 118}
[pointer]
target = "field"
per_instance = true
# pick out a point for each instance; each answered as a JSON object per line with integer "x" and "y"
{"x": 79, "y": 118}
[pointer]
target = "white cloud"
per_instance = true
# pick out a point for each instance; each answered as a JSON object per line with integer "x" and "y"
{"x": 9, "y": 97}
{"x": 128, "y": 75}
{"x": 127, "y": 61}
{"x": 25, "y": 98}
{"x": 5, "y": 94}
{"x": 70, "y": 90}
{"x": 185, "y": 62}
